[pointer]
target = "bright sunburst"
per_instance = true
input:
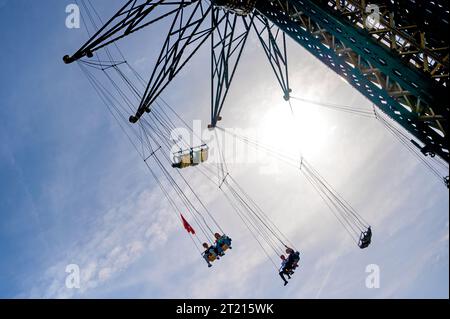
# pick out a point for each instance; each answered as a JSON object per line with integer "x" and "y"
{"x": 304, "y": 130}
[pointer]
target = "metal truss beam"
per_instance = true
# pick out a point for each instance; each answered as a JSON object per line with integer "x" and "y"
{"x": 414, "y": 32}
{"x": 227, "y": 44}
{"x": 275, "y": 52}
{"x": 354, "y": 55}
{"x": 188, "y": 32}
{"x": 133, "y": 16}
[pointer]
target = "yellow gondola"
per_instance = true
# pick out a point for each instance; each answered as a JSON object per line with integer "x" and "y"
{"x": 190, "y": 157}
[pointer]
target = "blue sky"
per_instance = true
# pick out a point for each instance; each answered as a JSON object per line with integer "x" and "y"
{"x": 72, "y": 189}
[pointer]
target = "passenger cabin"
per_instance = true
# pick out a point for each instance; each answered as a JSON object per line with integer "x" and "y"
{"x": 190, "y": 157}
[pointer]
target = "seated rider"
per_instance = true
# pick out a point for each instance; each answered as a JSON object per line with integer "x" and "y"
{"x": 220, "y": 242}
{"x": 284, "y": 270}
{"x": 292, "y": 260}
{"x": 210, "y": 251}
{"x": 366, "y": 238}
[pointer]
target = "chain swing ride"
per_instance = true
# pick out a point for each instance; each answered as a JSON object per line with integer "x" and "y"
{"x": 407, "y": 92}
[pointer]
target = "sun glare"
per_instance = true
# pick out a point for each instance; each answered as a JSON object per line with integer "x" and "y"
{"x": 304, "y": 131}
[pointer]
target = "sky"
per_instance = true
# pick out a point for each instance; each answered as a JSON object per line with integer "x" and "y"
{"x": 74, "y": 191}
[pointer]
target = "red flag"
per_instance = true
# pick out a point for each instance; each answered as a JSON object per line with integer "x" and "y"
{"x": 187, "y": 226}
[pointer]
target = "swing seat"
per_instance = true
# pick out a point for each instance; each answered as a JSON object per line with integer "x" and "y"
{"x": 212, "y": 257}
{"x": 191, "y": 157}
{"x": 365, "y": 239}
{"x": 204, "y": 155}
{"x": 186, "y": 159}
{"x": 364, "y": 244}
{"x": 200, "y": 156}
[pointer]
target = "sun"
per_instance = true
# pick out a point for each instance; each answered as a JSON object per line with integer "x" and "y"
{"x": 304, "y": 130}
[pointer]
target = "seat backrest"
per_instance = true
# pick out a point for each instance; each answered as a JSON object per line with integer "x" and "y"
{"x": 197, "y": 157}
{"x": 204, "y": 154}
{"x": 364, "y": 244}
{"x": 177, "y": 159}
{"x": 186, "y": 159}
